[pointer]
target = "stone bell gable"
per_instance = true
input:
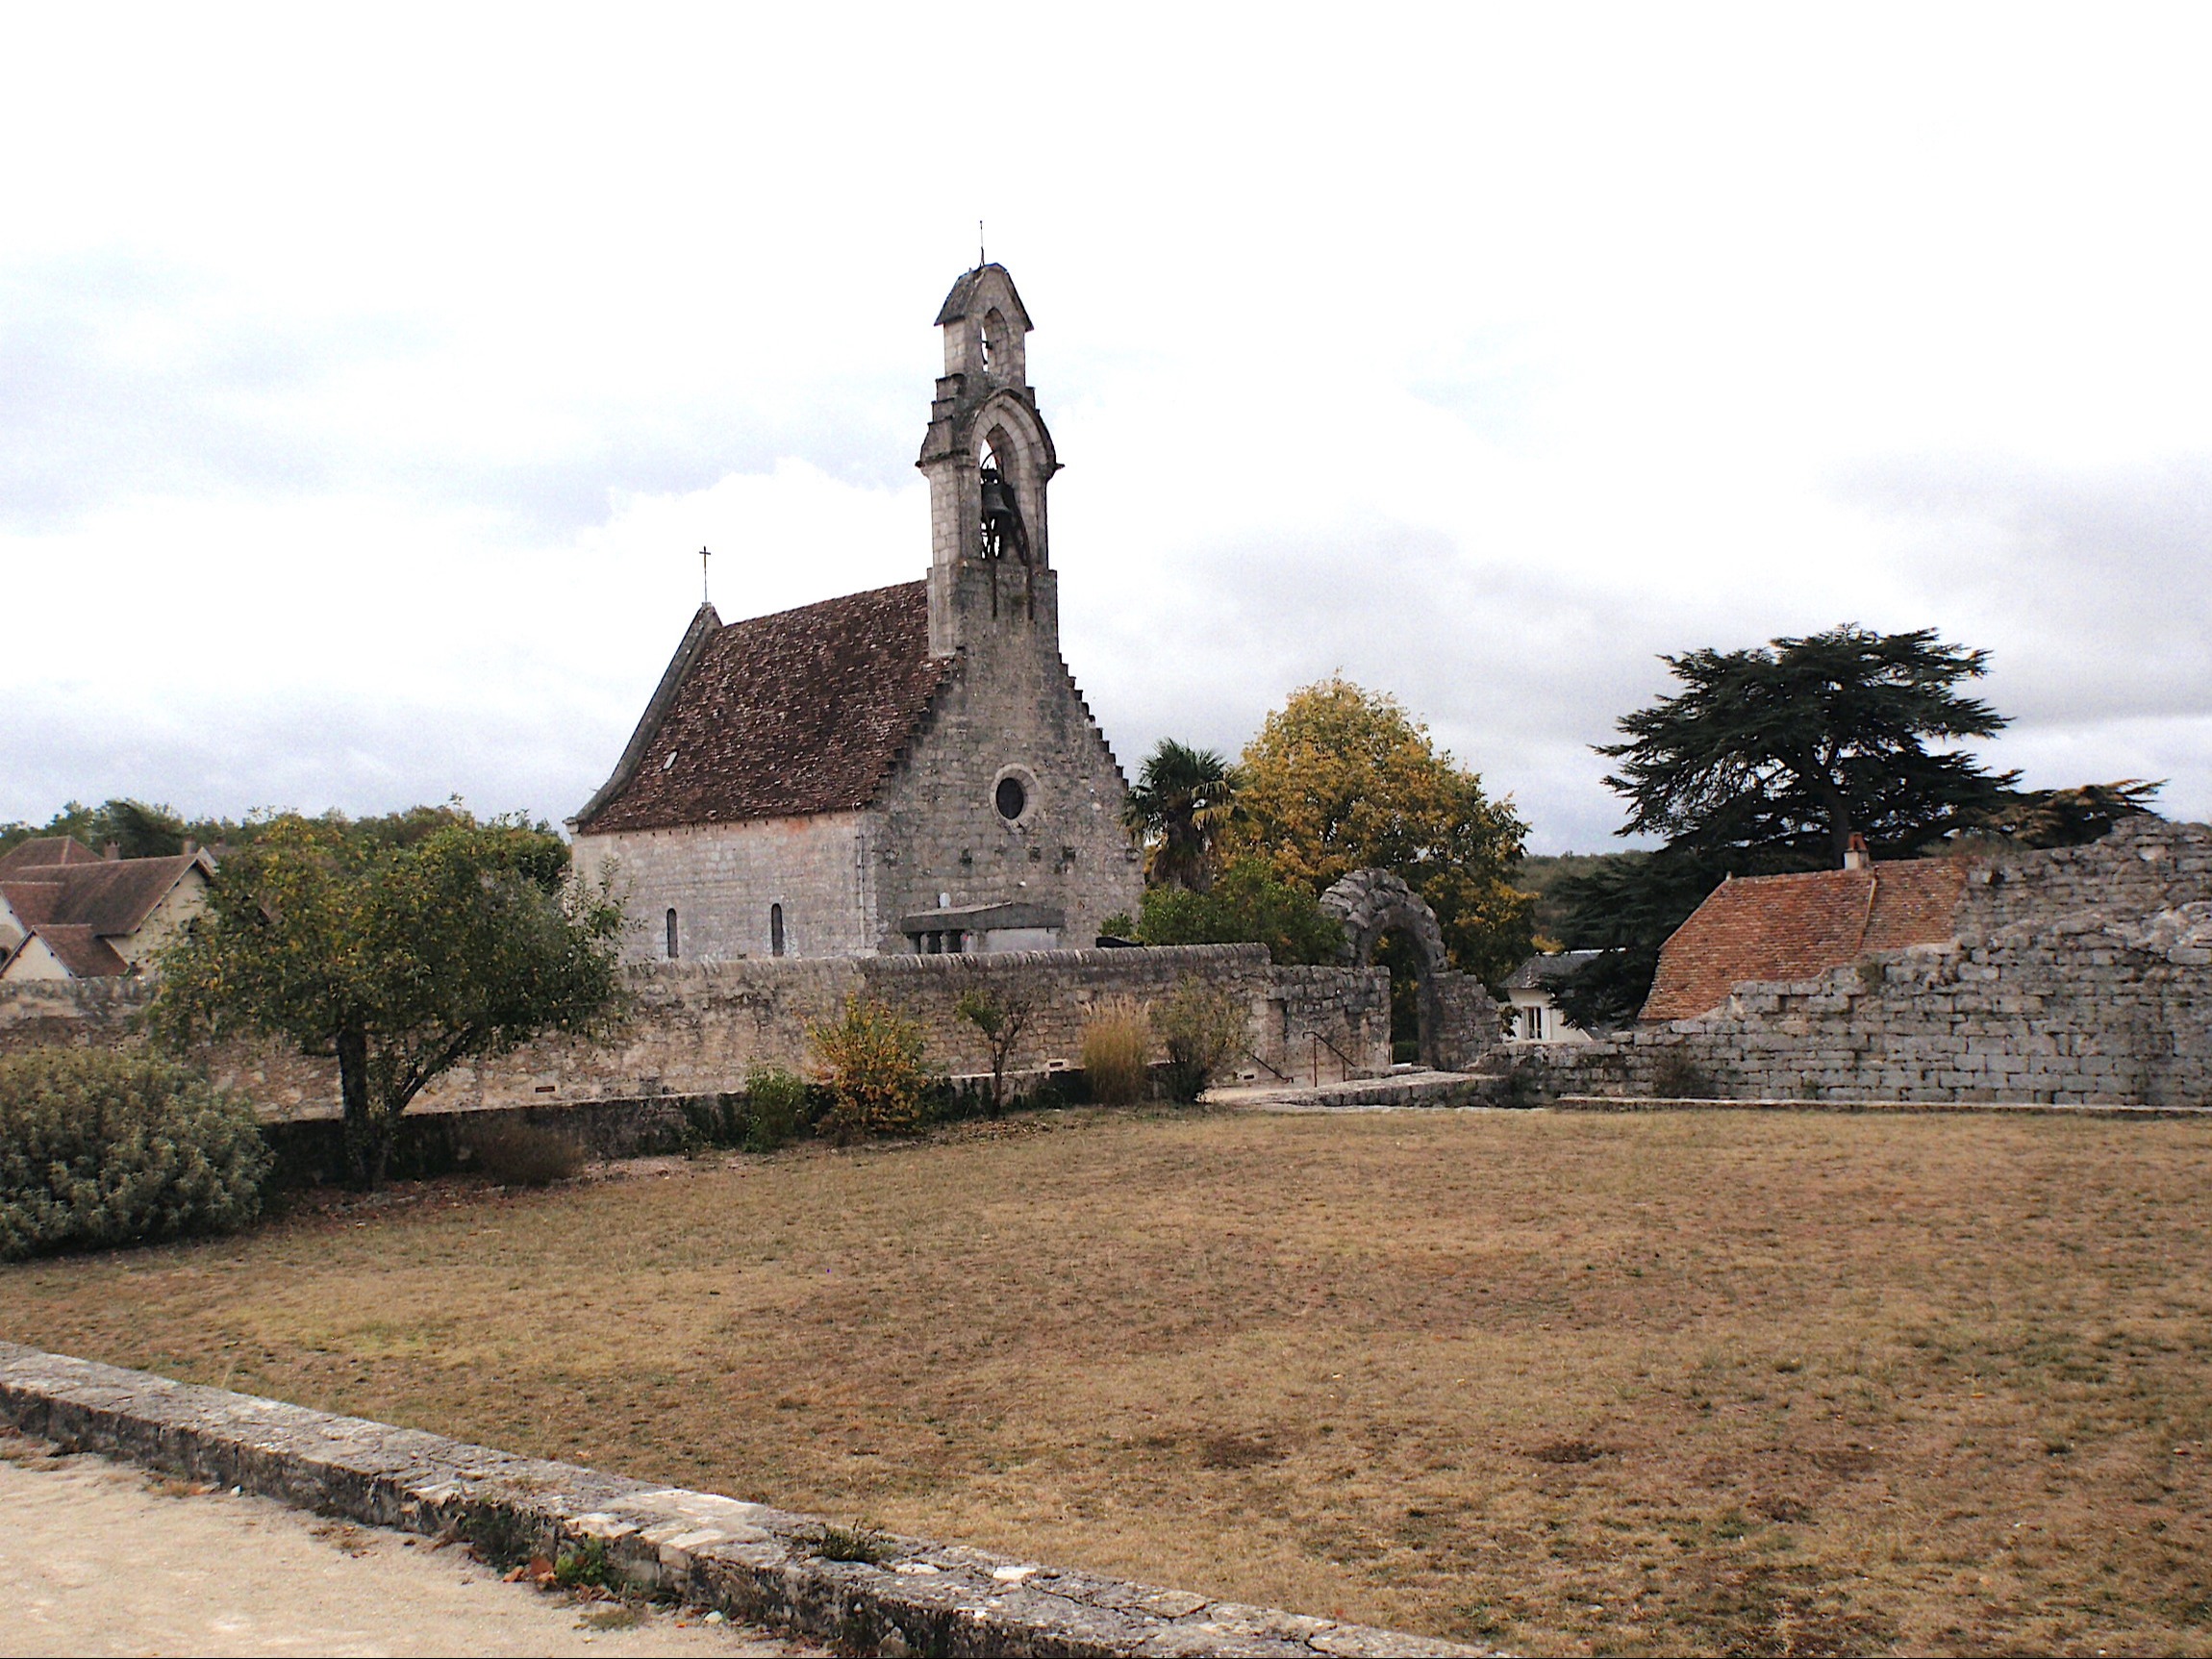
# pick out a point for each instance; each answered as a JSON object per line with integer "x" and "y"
{"x": 907, "y": 769}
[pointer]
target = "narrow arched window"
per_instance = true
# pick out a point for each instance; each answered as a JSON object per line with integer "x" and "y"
{"x": 776, "y": 930}
{"x": 672, "y": 936}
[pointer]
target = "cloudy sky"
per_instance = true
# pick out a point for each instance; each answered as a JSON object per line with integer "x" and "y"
{"x": 368, "y": 379}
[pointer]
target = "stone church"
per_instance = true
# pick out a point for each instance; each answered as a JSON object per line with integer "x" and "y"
{"x": 907, "y": 769}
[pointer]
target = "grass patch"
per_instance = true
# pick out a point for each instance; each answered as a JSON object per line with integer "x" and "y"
{"x": 1649, "y": 1384}
{"x": 859, "y": 1541}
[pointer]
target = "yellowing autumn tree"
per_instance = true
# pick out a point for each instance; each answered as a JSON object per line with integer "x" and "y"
{"x": 1340, "y": 779}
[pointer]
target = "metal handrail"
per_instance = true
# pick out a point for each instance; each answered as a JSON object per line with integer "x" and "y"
{"x": 1254, "y": 1054}
{"x": 1321, "y": 1043}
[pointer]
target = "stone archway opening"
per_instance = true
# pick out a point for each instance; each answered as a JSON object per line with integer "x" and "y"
{"x": 1370, "y": 904}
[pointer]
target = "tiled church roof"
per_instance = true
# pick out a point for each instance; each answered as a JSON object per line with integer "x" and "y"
{"x": 1799, "y": 927}
{"x": 800, "y": 712}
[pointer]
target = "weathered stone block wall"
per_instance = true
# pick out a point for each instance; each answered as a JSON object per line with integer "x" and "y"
{"x": 1012, "y": 709}
{"x": 2081, "y": 975}
{"x": 699, "y": 1028}
{"x": 721, "y": 880}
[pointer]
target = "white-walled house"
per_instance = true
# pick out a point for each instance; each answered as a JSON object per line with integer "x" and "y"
{"x": 1536, "y": 1017}
{"x": 66, "y": 912}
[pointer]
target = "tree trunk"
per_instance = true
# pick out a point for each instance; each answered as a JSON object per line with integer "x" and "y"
{"x": 367, "y": 1140}
{"x": 1840, "y": 826}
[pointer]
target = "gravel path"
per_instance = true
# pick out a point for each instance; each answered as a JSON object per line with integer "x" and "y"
{"x": 98, "y": 1557}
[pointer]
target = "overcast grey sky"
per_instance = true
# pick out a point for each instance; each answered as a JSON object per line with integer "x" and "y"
{"x": 369, "y": 378}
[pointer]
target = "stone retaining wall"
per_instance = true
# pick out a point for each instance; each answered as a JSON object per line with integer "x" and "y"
{"x": 2081, "y": 975}
{"x": 755, "y": 1563}
{"x": 699, "y": 1028}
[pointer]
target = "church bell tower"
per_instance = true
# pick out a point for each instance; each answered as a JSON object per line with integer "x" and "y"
{"x": 988, "y": 459}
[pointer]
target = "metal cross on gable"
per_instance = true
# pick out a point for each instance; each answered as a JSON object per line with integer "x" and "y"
{"x": 704, "y": 556}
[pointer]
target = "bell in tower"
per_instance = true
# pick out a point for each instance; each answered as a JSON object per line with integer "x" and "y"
{"x": 1002, "y": 534}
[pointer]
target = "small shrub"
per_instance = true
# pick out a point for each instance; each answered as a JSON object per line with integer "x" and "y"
{"x": 1117, "y": 1046}
{"x": 518, "y": 1155}
{"x": 1205, "y": 1028}
{"x": 1001, "y": 1021}
{"x": 859, "y": 1541}
{"x": 871, "y": 1063}
{"x": 583, "y": 1565}
{"x": 98, "y": 1150}
{"x": 776, "y": 1107}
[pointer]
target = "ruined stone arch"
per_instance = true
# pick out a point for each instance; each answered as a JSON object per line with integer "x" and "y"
{"x": 1458, "y": 1019}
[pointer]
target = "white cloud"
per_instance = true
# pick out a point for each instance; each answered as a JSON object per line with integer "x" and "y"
{"x": 367, "y": 383}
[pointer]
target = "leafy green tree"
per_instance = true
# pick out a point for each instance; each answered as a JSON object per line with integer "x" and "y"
{"x": 398, "y": 958}
{"x": 1248, "y": 903}
{"x": 2067, "y": 817}
{"x": 1808, "y": 742}
{"x": 1770, "y": 760}
{"x": 1340, "y": 779}
{"x": 1177, "y": 809}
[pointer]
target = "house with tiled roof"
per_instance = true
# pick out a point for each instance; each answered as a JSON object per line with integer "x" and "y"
{"x": 1801, "y": 927}
{"x": 66, "y": 912}
{"x": 911, "y": 769}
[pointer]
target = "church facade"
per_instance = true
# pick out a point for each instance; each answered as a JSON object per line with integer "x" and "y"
{"x": 907, "y": 769}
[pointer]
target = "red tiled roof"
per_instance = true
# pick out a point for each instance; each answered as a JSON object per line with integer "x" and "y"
{"x": 1799, "y": 927}
{"x": 41, "y": 851}
{"x": 110, "y": 895}
{"x": 800, "y": 712}
{"x": 81, "y": 950}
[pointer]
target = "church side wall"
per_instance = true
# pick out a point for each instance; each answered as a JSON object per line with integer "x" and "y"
{"x": 721, "y": 879}
{"x": 1011, "y": 706}
{"x": 699, "y": 1028}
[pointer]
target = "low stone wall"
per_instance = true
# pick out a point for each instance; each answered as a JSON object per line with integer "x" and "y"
{"x": 757, "y": 1564}
{"x": 700, "y": 1028}
{"x": 2081, "y": 975}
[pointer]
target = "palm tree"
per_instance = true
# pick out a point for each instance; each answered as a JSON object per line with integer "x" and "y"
{"x": 1177, "y": 809}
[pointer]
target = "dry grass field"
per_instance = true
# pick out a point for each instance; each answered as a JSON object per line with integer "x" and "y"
{"x": 1573, "y": 1384}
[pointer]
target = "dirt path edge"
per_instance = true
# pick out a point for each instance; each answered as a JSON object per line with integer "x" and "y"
{"x": 755, "y": 1563}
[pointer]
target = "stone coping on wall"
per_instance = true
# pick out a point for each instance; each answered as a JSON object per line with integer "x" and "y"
{"x": 2036, "y": 1108}
{"x": 755, "y": 1563}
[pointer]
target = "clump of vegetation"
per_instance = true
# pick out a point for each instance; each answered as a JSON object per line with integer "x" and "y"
{"x": 1117, "y": 1051}
{"x": 1001, "y": 1021}
{"x": 98, "y": 1150}
{"x": 1247, "y": 903}
{"x": 585, "y": 1566}
{"x": 776, "y": 1107}
{"x": 859, "y": 1541}
{"x": 520, "y": 1154}
{"x": 871, "y": 1063}
{"x": 1205, "y": 1028}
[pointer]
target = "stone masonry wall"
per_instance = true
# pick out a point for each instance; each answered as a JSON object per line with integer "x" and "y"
{"x": 699, "y": 1028}
{"x": 1012, "y": 708}
{"x": 2081, "y": 975}
{"x": 721, "y": 880}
